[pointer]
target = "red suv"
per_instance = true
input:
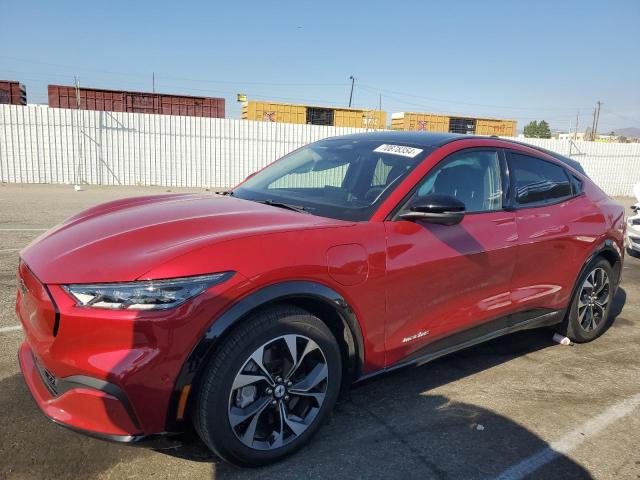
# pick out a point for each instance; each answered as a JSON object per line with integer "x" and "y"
{"x": 246, "y": 314}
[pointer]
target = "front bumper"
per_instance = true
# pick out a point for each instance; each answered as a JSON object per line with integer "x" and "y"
{"x": 99, "y": 408}
{"x": 632, "y": 235}
{"x": 81, "y": 403}
{"x": 633, "y": 242}
{"x": 109, "y": 374}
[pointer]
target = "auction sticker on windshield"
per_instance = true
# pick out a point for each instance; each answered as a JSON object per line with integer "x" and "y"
{"x": 401, "y": 150}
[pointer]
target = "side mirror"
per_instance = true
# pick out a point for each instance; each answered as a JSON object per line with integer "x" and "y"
{"x": 435, "y": 208}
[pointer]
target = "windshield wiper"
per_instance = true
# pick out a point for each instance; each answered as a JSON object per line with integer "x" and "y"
{"x": 288, "y": 206}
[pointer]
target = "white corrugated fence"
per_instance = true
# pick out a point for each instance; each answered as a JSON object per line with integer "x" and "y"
{"x": 39, "y": 144}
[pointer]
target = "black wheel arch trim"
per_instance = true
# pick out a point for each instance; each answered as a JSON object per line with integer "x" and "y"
{"x": 280, "y": 292}
{"x": 608, "y": 246}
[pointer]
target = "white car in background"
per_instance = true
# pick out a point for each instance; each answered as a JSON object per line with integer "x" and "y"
{"x": 632, "y": 239}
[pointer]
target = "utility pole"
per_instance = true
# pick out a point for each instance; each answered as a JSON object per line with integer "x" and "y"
{"x": 593, "y": 126}
{"x": 76, "y": 82}
{"x": 575, "y": 135}
{"x": 153, "y": 81}
{"x": 595, "y": 130}
{"x": 380, "y": 103}
{"x": 80, "y": 124}
{"x": 353, "y": 80}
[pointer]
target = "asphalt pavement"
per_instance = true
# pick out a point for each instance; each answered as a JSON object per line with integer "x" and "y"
{"x": 518, "y": 407}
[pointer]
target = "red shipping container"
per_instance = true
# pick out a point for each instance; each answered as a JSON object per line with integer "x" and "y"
{"x": 12, "y": 93}
{"x": 61, "y": 96}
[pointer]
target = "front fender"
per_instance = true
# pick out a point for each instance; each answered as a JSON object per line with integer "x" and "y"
{"x": 221, "y": 326}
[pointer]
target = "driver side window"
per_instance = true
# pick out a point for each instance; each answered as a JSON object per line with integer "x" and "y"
{"x": 472, "y": 177}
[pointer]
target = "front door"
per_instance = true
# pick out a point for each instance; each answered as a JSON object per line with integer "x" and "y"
{"x": 443, "y": 280}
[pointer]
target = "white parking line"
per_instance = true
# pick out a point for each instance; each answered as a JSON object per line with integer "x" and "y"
{"x": 4, "y": 250}
{"x": 571, "y": 440}
{"x": 24, "y": 229}
{"x": 14, "y": 328}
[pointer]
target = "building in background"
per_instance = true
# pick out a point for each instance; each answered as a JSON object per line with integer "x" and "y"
{"x": 433, "y": 122}
{"x": 63, "y": 96}
{"x": 266, "y": 111}
{"x": 12, "y": 93}
{"x": 569, "y": 135}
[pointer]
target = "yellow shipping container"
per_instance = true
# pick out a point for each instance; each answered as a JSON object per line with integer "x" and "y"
{"x": 501, "y": 128}
{"x": 441, "y": 123}
{"x": 419, "y": 121}
{"x": 274, "y": 112}
{"x": 294, "y": 113}
{"x": 344, "y": 117}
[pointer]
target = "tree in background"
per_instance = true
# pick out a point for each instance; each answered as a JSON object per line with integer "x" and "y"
{"x": 537, "y": 130}
{"x": 543, "y": 130}
{"x": 531, "y": 129}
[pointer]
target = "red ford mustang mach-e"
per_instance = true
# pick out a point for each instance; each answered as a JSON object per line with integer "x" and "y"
{"x": 246, "y": 314}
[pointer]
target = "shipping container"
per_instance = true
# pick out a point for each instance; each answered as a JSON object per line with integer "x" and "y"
{"x": 12, "y": 93}
{"x": 62, "y": 96}
{"x": 313, "y": 115}
{"x": 501, "y": 128}
{"x": 432, "y": 122}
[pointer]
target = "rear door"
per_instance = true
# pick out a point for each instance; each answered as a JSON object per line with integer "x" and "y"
{"x": 451, "y": 283}
{"x": 555, "y": 232}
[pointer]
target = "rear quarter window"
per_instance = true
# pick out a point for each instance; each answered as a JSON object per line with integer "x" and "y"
{"x": 539, "y": 182}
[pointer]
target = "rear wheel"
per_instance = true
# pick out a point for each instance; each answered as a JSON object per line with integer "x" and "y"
{"x": 269, "y": 388}
{"x": 591, "y": 305}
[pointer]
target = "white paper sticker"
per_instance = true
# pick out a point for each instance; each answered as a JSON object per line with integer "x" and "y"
{"x": 401, "y": 150}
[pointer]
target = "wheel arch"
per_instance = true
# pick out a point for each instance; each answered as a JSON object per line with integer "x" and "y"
{"x": 320, "y": 300}
{"x": 608, "y": 250}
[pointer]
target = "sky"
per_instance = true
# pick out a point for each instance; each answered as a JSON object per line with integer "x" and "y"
{"x": 520, "y": 60}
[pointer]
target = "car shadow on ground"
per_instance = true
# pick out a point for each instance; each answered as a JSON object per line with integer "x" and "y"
{"x": 396, "y": 426}
{"x": 392, "y": 427}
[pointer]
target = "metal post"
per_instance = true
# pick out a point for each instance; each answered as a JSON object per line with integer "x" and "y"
{"x": 595, "y": 129}
{"x": 80, "y": 118}
{"x": 353, "y": 80}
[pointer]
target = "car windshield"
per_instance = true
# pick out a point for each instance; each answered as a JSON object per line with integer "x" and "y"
{"x": 337, "y": 178}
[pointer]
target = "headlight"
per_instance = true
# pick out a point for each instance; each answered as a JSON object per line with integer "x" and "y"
{"x": 144, "y": 295}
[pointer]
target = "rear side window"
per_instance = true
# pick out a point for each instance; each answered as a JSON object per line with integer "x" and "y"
{"x": 576, "y": 183}
{"x": 537, "y": 181}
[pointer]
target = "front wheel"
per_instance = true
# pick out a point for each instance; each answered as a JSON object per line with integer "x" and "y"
{"x": 591, "y": 304}
{"x": 269, "y": 387}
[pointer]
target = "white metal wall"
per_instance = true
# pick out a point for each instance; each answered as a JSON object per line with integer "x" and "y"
{"x": 50, "y": 145}
{"x": 615, "y": 167}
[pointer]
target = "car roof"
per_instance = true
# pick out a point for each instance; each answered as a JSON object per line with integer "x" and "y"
{"x": 422, "y": 139}
{"x": 561, "y": 158}
{"x": 435, "y": 140}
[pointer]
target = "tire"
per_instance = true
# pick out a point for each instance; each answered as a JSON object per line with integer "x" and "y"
{"x": 588, "y": 316}
{"x": 234, "y": 384}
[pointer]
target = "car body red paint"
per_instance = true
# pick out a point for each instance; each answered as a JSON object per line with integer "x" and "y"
{"x": 408, "y": 285}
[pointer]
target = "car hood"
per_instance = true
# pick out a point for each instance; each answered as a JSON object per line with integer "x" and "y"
{"x": 122, "y": 240}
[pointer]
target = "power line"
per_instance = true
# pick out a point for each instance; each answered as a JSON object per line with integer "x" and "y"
{"x": 609, "y": 112}
{"x": 377, "y": 89}
{"x": 181, "y": 79}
